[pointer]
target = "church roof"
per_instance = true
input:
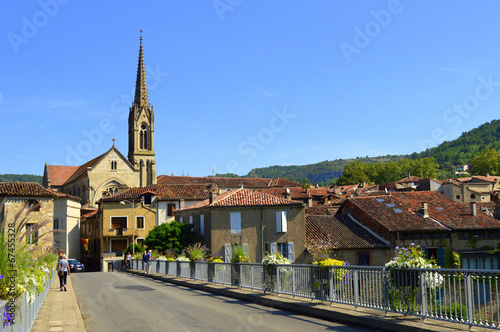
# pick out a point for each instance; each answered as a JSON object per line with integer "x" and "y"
{"x": 58, "y": 175}
{"x": 228, "y": 182}
{"x": 83, "y": 168}
{"x": 141, "y": 89}
{"x": 164, "y": 192}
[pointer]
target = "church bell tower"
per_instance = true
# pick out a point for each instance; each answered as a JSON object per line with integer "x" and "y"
{"x": 141, "y": 129}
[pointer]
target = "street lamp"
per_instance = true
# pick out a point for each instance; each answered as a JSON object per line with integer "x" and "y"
{"x": 133, "y": 223}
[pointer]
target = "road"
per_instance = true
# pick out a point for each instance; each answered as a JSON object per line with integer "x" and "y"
{"x": 114, "y": 301}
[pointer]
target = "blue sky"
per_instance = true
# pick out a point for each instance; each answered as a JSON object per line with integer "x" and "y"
{"x": 240, "y": 84}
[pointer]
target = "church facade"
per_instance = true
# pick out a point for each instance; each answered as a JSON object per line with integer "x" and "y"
{"x": 112, "y": 172}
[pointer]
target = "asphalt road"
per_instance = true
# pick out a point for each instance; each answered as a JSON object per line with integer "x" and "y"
{"x": 113, "y": 301}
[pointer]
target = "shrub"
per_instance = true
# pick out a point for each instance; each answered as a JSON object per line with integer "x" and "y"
{"x": 275, "y": 259}
{"x": 239, "y": 255}
{"x": 196, "y": 252}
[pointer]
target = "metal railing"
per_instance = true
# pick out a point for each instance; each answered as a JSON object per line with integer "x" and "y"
{"x": 462, "y": 296}
{"x": 25, "y": 313}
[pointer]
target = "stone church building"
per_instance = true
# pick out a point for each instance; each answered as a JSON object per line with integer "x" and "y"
{"x": 111, "y": 172}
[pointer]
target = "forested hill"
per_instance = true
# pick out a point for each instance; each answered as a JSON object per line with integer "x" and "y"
{"x": 21, "y": 178}
{"x": 461, "y": 150}
{"x": 457, "y": 152}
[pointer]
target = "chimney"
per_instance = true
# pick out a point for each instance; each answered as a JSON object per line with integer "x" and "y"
{"x": 288, "y": 194}
{"x": 424, "y": 210}
{"x": 182, "y": 203}
{"x": 473, "y": 208}
{"x": 309, "y": 201}
{"x": 214, "y": 191}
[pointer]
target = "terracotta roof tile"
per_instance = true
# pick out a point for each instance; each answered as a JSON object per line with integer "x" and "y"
{"x": 338, "y": 232}
{"x": 227, "y": 182}
{"x": 19, "y": 189}
{"x": 58, "y": 175}
{"x": 165, "y": 191}
{"x": 411, "y": 178}
{"x": 61, "y": 194}
{"x": 82, "y": 169}
{"x": 244, "y": 198}
{"x": 403, "y": 213}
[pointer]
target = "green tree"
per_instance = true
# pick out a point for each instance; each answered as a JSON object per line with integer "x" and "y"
{"x": 486, "y": 162}
{"x": 173, "y": 235}
{"x": 354, "y": 173}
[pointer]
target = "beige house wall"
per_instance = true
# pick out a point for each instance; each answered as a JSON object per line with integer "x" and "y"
{"x": 217, "y": 229}
{"x": 115, "y": 209}
{"x": 67, "y": 211}
{"x": 14, "y": 204}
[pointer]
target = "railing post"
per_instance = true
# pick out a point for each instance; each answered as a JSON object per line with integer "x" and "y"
{"x": 423, "y": 292}
{"x": 355, "y": 280}
{"x": 330, "y": 272}
{"x": 278, "y": 279}
{"x": 294, "y": 286}
{"x": 469, "y": 298}
{"x": 385, "y": 289}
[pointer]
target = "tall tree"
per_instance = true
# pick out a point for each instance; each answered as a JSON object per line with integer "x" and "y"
{"x": 173, "y": 235}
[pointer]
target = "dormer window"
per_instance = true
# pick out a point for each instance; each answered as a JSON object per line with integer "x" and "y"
{"x": 143, "y": 137}
{"x": 148, "y": 198}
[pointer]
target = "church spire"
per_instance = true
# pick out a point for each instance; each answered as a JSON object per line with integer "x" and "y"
{"x": 141, "y": 88}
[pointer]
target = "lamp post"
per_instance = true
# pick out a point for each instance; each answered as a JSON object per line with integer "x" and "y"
{"x": 133, "y": 223}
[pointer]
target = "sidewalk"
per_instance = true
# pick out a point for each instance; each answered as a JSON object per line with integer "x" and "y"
{"x": 337, "y": 312}
{"x": 60, "y": 311}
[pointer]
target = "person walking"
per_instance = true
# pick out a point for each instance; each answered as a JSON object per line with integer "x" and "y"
{"x": 63, "y": 272}
{"x": 128, "y": 260}
{"x": 149, "y": 258}
{"x": 145, "y": 261}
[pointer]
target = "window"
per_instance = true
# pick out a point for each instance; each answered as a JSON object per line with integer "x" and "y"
{"x": 282, "y": 248}
{"x": 56, "y": 223}
{"x": 464, "y": 235}
{"x": 56, "y": 244}
{"x": 478, "y": 234}
{"x": 33, "y": 204}
{"x": 139, "y": 222}
{"x": 143, "y": 136}
{"x": 170, "y": 209}
{"x": 181, "y": 219}
{"x": 202, "y": 224}
{"x": 266, "y": 247}
{"x": 118, "y": 246}
{"x": 281, "y": 222}
{"x": 235, "y": 221}
{"x": 119, "y": 223}
{"x": 458, "y": 196}
{"x": 114, "y": 165}
{"x": 472, "y": 196}
{"x": 147, "y": 199}
{"x": 31, "y": 234}
{"x": 364, "y": 258}
{"x": 190, "y": 220}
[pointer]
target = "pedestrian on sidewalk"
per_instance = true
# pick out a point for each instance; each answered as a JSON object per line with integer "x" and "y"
{"x": 63, "y": 272}
{"x": 128, "y": 260}
{"x": 145, "y": 261}
{"x": 148, "y": 260}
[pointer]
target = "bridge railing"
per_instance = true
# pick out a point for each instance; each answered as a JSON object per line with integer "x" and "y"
{"x": 463, "y": 296}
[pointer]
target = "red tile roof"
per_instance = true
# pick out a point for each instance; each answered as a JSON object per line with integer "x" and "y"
{"x": 338, "y": 232}
{"x": 82, "y": 169}
{"x": 61, "y": 194}
{"x": 58, "y": 175}
{"x": 227, "y": 182}
{"x": 165, "y": 191}
{"x": 244, "y": 198}
{"x": 89, "y": 214}
{"x": 411, "y": 178}
{"x": 21, "y": 189}
{"x": 444, "y": 213}
{"x": 322, "y": 209}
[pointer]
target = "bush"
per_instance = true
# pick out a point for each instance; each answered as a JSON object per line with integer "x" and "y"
{"x": 240, "y": 255}
{"x": 196, "y": 252}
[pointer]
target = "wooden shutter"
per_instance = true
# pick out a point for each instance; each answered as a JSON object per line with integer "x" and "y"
{"x": 290, "y": 251}
{"x": 440, "y": 259}
{"x": 202, "y": 224}
{"x": 273, "y": 248}
{"x": 284, "y": 227}
{"x": 227, "y": 253}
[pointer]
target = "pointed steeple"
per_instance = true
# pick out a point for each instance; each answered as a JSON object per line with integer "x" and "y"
{"x": 141, "y": 88}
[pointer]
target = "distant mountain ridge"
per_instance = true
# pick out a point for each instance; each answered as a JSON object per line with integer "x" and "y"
{"x": 457, "y": 152}
{"x": 21, "y": 178}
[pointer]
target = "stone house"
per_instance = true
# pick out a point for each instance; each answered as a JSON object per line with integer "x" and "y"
{"x": 431, "y": 220}
{"x": 344, "y": 239}
{"x": 257, "y": 221}
{"x": 22, "y": 195}
{"x": 472, "y": 189}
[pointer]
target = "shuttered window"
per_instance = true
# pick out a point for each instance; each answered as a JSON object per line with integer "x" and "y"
{"x": 281, "y": 222}
{"x": 202, "y": 224}
{"x": 235, "y": 220}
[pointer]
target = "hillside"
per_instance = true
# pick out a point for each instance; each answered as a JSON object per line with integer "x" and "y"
{"x": 457, "y": 152}
{"x": 21, "y": 178}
